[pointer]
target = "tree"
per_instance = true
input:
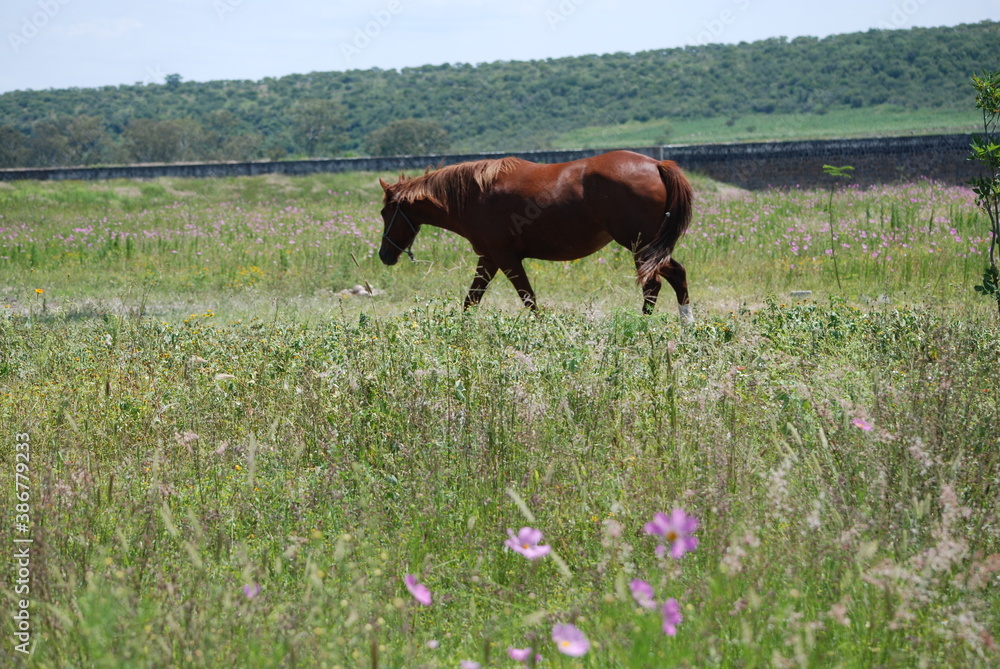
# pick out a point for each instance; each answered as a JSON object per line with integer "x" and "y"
{"x": 151, "y": 141}
{"x": 87, "y": 140}
{"x": 223, "y": 138}
{"x": 986, "y": 151}
{"x": 12, "y": 150}
{"x": 408, "y": 137}
{"x": 47, "y": 145}
{"x": 318, "y": 126}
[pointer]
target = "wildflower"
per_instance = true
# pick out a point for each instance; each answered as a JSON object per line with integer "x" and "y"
{"x": 839, "y": 613}
{"x": 522, "y": 655}
{"x": 433, "y": 644}
{"x": 418, "y": 590}
{"x": 224, "y": 377}
{"x": 519, "y": 654}
{"x": 643, "y": 593}
{"x": 187, "y": 438}
{"x": 613, "y": 528}
{"x": 732, "y": 561}
{"x": 862, "y": 424}
{"x": 671, "y": 616}
{"x": 526, "y": 543}
{"x": 570, "y": 640}
{"x": 39, "y": 291}
{"x": 676, "y": 529}
{"x": 251, "y": 590}
{"x": 469, "y": 664}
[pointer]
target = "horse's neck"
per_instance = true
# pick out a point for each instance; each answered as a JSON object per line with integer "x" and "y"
{"x": 442, "y": 219}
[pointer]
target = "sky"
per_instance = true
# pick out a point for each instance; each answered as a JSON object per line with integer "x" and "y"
{"x": 87, "y": 43}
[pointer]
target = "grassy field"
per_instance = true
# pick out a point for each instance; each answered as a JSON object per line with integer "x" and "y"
{"x": 233, "y": 463}
{"x": 838, "y": 123}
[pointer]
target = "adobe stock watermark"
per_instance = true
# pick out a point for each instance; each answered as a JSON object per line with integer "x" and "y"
{"x": 154, "y": 75}
{"x": 224, "y": 7}
{"x": 32, "y": 24}
{"x": 902, "y": 15}
{"x": 21, "y": 550}
{"x": 715, "y": 27}
{"x": 562, "y": 12}
{"x": 364, "y": 35}
{"x": 522, "y": 219}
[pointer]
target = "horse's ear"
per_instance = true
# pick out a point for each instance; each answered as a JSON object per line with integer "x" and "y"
{"x": 382, "y": 182}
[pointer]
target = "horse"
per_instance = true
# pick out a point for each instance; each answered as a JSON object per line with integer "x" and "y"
{"x": 510, "y": 209}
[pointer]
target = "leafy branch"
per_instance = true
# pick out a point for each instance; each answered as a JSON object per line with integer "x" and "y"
{"x": 985, "y": 149}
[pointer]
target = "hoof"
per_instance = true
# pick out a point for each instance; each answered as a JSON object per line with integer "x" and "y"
{"x": 687, "y": 315}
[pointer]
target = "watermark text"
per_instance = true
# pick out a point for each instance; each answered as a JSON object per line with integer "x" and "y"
{"x": 22, "y": 543}
{"x": 363, "y": 35}
{"x": 32, "y": 24}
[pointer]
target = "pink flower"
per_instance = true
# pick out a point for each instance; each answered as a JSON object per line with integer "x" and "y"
{"x": 251, "y": 590}
{"x": 570, "y": 640}
{"x": 418, "y": 590}
{"x": 862, "y": 424}
{"x": 526, "y": 541}
{"x": 468, "y": 664}
{"x": 672, "y": 617}
{"x": 520, "y": 654}
{"x": 643, "y": 593}
{"x": 676, "y": 529}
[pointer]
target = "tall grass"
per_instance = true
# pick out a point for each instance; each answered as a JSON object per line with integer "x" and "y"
{"x": 232, "y": 242}
{"x": 248, "y": 486}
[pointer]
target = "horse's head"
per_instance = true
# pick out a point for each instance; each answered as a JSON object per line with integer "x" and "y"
{"x": 399, "y": 231}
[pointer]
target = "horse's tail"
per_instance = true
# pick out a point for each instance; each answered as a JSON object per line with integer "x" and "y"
{"x": 680, "y": 198}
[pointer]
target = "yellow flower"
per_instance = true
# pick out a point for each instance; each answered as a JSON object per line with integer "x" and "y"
{"x": 39, "y": 291}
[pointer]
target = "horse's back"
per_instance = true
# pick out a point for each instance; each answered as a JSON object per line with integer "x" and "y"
{"x": 568, "y": 210}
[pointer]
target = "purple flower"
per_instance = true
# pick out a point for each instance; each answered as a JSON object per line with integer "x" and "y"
{"x": 418, "y": 590}
{"x": 863, "y": 424}
{"x": 251, "y": 590}
{"x": 570, "y": 640}
{"x": 468, "y": 664}
{"x": 519, "y": 654}
{"x": 671, "y": 616}
{"x": 643, "y": 593}
{"x": 676, "y": 529}
{"x": 526, "y": 541}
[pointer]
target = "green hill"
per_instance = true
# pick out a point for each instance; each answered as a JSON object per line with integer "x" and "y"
{"x": 510, "y": 105}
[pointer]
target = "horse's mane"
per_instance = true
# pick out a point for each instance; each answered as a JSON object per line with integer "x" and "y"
{"x": 450, "y": 187}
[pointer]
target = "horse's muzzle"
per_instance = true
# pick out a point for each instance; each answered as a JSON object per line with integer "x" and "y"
{"x": 388, "y": 257}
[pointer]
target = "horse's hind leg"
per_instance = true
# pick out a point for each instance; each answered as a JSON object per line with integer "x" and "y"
{"x": 484, "y": 274}
{"x": 676, "y": 276}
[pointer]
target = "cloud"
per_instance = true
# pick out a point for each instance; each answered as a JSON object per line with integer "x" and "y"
{"x": 105, "y": 28}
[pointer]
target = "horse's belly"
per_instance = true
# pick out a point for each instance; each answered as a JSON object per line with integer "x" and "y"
{"x": 565, "y": 246}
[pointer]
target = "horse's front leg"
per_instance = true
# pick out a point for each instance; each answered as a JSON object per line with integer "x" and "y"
{"x": 484, "y": 274}
{"x": 515, "y": 272}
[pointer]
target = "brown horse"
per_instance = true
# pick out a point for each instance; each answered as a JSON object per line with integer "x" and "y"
{"x": 511, "y": 209}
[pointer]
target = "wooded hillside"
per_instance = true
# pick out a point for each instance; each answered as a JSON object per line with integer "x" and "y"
{"x": 501, "y": 105}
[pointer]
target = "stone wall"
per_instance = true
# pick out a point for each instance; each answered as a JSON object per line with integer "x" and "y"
{"x": 749, "y": 165}
{"x": 875, "y": 161}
